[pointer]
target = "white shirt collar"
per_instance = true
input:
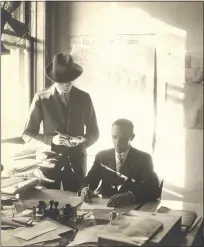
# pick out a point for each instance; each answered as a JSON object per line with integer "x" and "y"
{"x": 124, "y": 154}
{"x": 60, "y": 93}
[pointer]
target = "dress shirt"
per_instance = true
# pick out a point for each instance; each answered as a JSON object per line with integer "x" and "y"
{"x": 122, "y": 155}
{"x": 64, "y": 97}
{"x": 123, "y": 159}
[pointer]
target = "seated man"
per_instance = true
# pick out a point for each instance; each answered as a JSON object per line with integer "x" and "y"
{"x": 131, "y": 163}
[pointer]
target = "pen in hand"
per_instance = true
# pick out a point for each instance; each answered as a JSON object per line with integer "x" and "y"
{"x": 89, "y": 194}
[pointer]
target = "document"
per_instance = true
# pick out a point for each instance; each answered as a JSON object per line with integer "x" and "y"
{"x": 43, "y": 238}
{"x": 37, "y": 230}
{"x": 97, "y": 203}
{"x": 63, "y": 197}
{"x": 9, "y": 238}
{"x": 20, "y": 187}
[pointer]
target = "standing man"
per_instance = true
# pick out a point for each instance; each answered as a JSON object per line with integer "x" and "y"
{"x": 64, "y": 111}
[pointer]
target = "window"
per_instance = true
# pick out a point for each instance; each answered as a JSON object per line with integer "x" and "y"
{"x": 14, "y": 93}
{"x": 15, "y": 75}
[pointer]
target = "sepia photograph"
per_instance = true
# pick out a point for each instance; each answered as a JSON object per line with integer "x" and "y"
{"x": 102, "y": 123}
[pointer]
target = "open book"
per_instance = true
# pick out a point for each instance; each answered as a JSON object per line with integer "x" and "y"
{"x": 129, "y": 230}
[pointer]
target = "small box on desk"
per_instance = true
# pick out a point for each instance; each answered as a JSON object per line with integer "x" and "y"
{"x": 168, "y": 236}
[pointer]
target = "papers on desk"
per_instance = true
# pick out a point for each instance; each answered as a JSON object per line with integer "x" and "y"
{"x": 99, "y": 208}
{"x": 188, "y": 217}
{"x": 87, "y": 235}
{"x": 25, "y": 166}
{"x": 63, "y": 197}
{"x": 45, "y": 231}
{"x": 6, "y": 182}
{"x": 134, "y": 231}
{"x": 20, "y": 187}
{"x": 126, "y": 230}
{"x": 25, "y": 153}
{"x": 37, "y": 230}
{"x": 97, "y": 203}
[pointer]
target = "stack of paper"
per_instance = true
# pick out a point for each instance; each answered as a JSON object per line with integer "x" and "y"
{"x": 42, "y": 232}
{"x": 20, "y": 187}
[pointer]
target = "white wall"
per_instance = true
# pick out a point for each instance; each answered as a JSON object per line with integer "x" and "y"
{"x": 187, "y": 16}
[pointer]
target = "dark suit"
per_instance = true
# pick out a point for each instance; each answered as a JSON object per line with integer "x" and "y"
{"x": 138, "y": 166}
{"x": 77, "y": 119}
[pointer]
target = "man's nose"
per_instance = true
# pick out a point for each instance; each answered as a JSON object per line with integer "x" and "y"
{"x": 67, "y": 85}
{"x": 117, "y": 141}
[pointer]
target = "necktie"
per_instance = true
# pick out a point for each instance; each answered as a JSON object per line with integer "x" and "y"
{"x": 64, "y": 98}
{"x": 119, "y": 162}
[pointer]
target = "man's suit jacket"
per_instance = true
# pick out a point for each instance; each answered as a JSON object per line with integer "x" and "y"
{"x": 138, "y": 166}
{"x": 47, "y": 107}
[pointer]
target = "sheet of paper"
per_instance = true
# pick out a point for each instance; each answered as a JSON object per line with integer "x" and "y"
{"x": 49, "y": 236}
{"x": 63, "y": 197}
{"x": 97, "y": 203}
{"x": 61, "y": 229}
{"x": 20, "y": 187}
{"x": 37, "y": 230}
{"x": 9, "y": 239}
{"x": 43, "y": 238}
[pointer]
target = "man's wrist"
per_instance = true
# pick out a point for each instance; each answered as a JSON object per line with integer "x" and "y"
{"x": 82, "y": 145}
{"x": 85, "y": 188}
{"x": 132, "y": 197}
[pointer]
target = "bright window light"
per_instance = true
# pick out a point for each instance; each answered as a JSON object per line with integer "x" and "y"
{"x": 14, "y": 99}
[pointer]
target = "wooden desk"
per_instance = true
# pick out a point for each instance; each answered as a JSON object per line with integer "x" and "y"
{"x": 193, "y": 239}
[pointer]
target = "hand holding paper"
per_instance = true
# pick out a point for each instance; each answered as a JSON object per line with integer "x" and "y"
{"x": 67, "y": 140}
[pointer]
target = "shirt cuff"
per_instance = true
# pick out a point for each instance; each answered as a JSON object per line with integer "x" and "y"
{"x": 83, "y": 189}
{"x": 132, "y": 195}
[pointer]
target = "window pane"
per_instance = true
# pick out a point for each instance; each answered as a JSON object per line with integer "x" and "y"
{"x": 14, "y": 94}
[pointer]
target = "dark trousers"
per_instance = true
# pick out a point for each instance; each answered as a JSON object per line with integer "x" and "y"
{"x": 72, "y": 176}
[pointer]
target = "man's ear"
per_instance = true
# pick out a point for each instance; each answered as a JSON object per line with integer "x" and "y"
{"x": 132, "y": 137}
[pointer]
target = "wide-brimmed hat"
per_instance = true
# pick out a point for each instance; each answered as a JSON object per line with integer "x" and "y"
{"x": 62, "y": 69}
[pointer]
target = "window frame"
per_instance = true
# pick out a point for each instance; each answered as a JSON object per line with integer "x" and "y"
{"x": 28, "y": 16}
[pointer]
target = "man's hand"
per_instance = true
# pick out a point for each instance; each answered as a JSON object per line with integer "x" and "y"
{"x": 86, "y": 195}
{"x": 63, "y": 140}
{"x": 120, "y": 199}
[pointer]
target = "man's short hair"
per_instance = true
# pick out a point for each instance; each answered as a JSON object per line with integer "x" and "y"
{"x": 125, "y": 123}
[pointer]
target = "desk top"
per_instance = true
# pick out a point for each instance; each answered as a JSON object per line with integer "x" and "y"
{"x": 47, "y": 195}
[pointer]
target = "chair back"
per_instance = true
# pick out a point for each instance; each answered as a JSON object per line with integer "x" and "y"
{"x": 161, "y": 182}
